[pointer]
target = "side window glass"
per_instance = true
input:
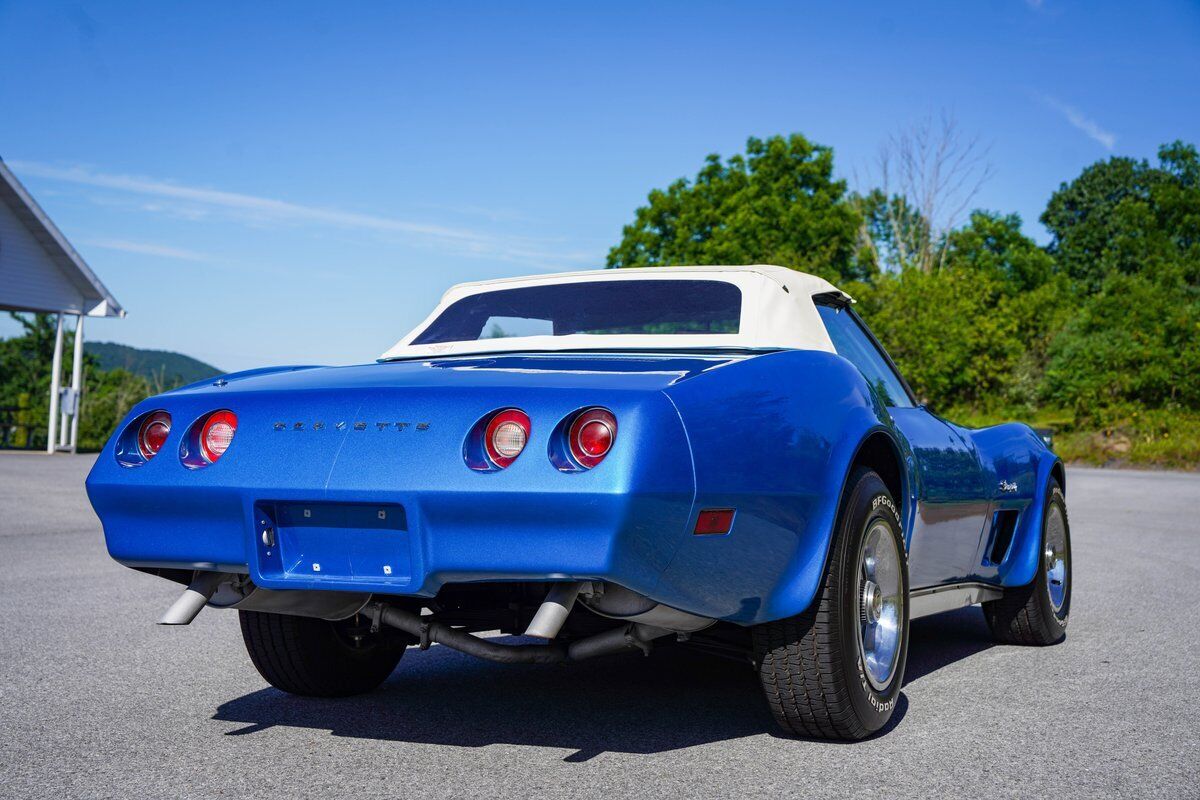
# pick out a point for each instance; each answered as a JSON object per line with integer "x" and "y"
{"x": 852, "y": 343}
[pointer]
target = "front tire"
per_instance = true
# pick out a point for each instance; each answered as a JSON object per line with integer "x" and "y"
{"x": 316, "y": 658}
{"x": 1037, "y": 614}
{"x": 835, "y": 670}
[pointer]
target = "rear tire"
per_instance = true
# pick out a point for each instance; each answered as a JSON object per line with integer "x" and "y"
{"x": 1037, "y": 614}
{"x": 829, "y": 672}
{"x": 317, "y": 658}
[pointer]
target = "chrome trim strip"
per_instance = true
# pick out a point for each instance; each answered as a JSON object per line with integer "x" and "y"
{"x": 936, "y": 599}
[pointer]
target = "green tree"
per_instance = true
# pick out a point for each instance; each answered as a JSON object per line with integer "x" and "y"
{"x": 1104, "y": 322}
{"x": 777, "y": 204}
{"x": 1128, "y": 234}
{"x": 109, "y": 395}
{"x": 1131, "y": 344}
{"x": 992, "y": 244}
{"x": 974, "y": 332}
{"x": 25, "y": 370}
{"x": 25, "y": 360}
{"x": 25, "y": 367}
{"x": 1126, "y": 216}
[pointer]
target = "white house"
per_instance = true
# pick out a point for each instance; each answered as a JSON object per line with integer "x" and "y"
{"x": 40, "y": 271}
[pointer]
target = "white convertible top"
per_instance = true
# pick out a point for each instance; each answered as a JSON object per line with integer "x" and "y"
{"x": 777, "y": 312}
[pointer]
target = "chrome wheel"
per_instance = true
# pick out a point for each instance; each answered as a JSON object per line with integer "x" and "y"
{"x": 880, "y": 605}
{"x": 1054, "y": 559}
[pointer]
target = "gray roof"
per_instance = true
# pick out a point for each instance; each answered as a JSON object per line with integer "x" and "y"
{"x": 30, "y": 286}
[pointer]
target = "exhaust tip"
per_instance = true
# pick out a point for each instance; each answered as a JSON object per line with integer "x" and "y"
{"x": 194, "y": 598}
{"x": 554, "y": 610}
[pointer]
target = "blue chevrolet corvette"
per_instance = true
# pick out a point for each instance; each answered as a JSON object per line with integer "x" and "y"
{"x": 716, "y": 458}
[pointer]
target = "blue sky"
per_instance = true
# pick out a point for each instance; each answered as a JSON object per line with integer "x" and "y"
{"x": 271, "y": 183}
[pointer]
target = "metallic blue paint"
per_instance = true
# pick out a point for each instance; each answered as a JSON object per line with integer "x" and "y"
{"x": 954, "y": 498}
{"x": 394, "y": 509}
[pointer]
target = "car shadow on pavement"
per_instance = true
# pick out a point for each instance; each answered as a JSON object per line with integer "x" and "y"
{"x": 938, "y": 641}
{"x": 670, "y": 700}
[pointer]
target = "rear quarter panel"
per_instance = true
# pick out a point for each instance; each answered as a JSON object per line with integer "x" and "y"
{"x": 772, "y": 437}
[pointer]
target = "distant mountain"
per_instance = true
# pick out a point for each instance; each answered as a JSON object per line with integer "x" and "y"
{"x": 171, "y": 368}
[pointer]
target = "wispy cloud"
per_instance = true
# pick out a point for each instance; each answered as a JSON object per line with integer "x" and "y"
{"x": 146, "y": 248}
{"x": 1036, "y": 5}
{"x": 1082, "y": 122}
{"x": 183, "y": 200}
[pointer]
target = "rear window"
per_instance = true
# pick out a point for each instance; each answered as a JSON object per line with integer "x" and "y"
{"x": 639, "y": 307}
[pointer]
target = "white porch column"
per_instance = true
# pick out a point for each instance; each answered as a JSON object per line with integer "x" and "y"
{"x": 77, "y": 382}
{"x": 55, "y": 386}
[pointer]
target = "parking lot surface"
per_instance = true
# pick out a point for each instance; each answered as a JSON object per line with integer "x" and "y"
{"x": 98, "y": 701}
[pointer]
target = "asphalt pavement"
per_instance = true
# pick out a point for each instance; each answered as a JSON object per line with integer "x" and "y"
{"x": 98, "y": 701}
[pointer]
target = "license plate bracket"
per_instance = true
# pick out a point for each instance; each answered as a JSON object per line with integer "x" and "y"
{"x": 323, "y": 541}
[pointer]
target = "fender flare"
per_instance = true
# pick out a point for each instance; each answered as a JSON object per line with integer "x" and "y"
{"x": 1020, "y": 568}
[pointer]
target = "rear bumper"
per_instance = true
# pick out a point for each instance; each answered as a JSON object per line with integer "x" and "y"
{"x": 396, "y": 542}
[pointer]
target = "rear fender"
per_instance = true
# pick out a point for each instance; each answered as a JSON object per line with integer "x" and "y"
{"x": 772, "y": 437}
{"x": 808, "y": 565}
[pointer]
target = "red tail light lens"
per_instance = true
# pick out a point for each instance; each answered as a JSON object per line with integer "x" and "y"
{"x": 506, "y": 436}
{"x": 592, "y": 435}
{"x": 152, "y": 433}
{"x": 217, "y": 434}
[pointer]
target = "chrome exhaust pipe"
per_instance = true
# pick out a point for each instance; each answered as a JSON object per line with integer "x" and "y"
{"x": 553, "y": 612}
{"x": 194, "y": 597}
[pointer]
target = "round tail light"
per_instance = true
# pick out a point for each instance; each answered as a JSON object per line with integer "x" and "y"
{"x": 592, "y": 435}
{"x": 216, "y": 434}
{"x": 506, "y": 435}
{"x": 152, "y": 433}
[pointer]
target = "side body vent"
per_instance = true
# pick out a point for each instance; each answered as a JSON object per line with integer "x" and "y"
{"x": 1004, "y": 523}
